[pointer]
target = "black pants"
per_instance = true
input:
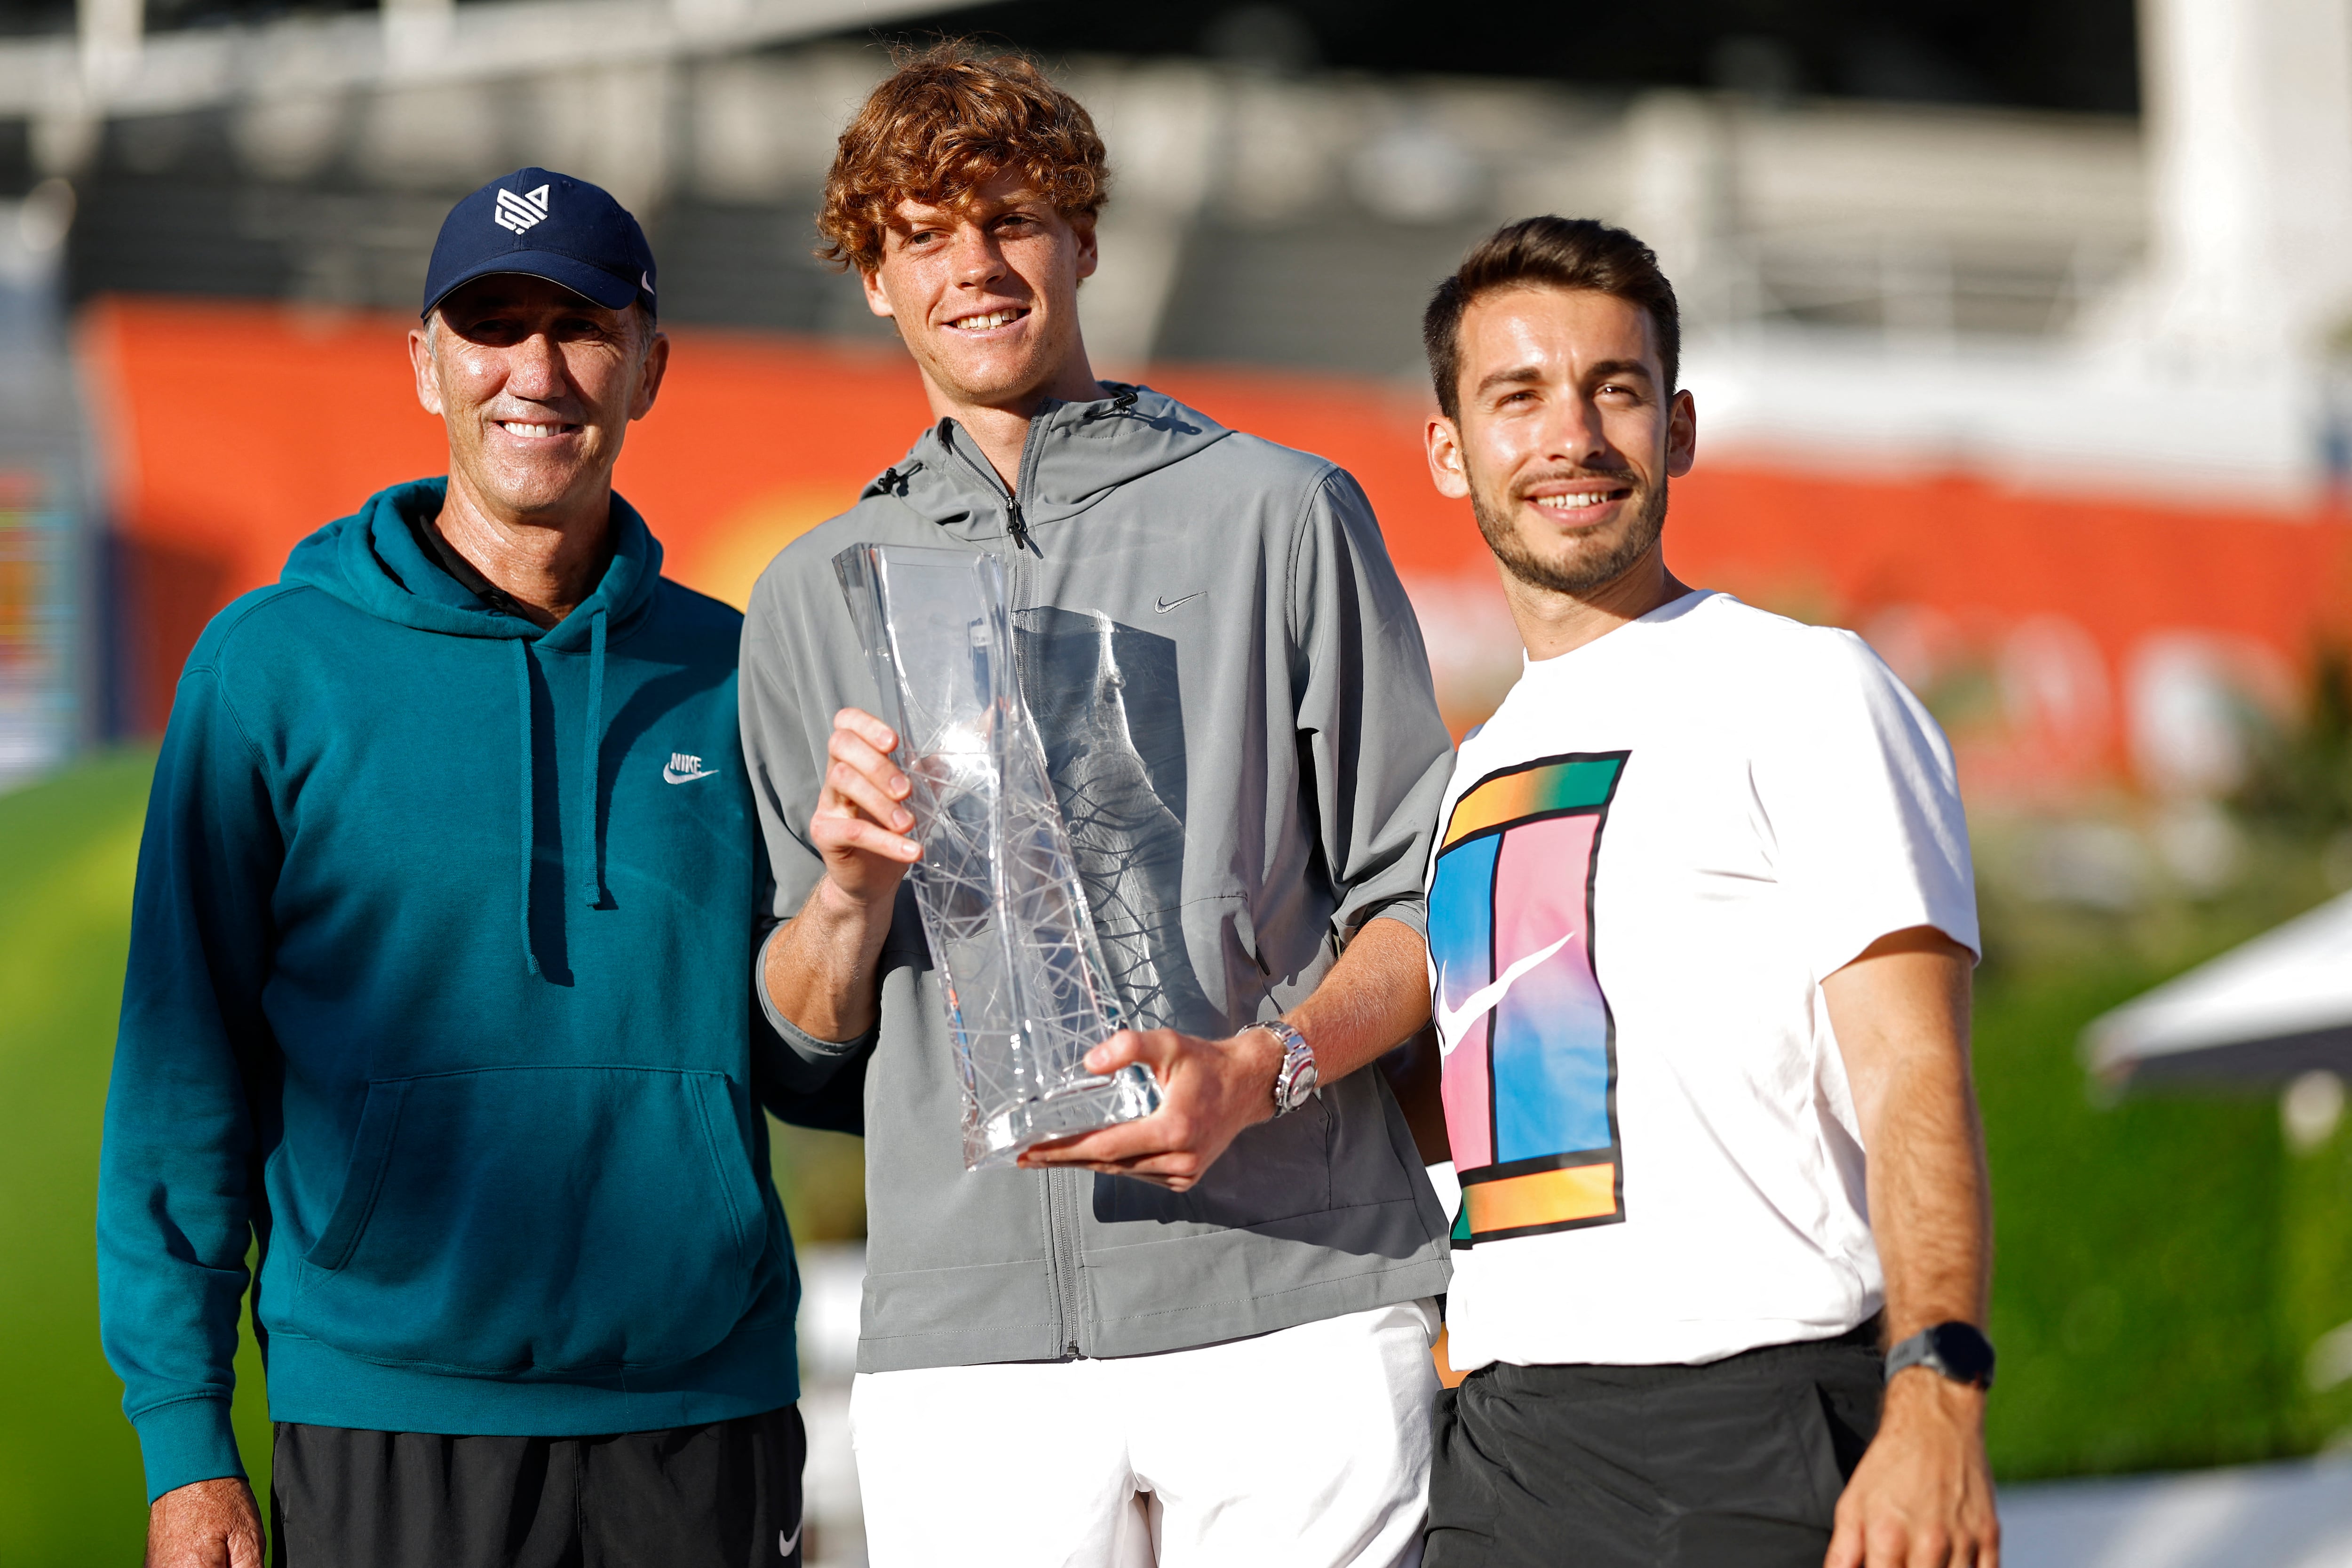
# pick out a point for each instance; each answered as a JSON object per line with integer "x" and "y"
{"x": 725, "y": 1495}
{"x": 1737, "y": 1464}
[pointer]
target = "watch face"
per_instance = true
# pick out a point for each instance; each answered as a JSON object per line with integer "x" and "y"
{"x": 1300, "y": 1082}
{"x": 1962, "y": 1353}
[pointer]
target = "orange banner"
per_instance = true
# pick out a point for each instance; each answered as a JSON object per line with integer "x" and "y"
{"x": 232, "y": 430}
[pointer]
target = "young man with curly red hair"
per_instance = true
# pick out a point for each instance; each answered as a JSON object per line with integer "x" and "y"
{"x": 1201, "y": 1337}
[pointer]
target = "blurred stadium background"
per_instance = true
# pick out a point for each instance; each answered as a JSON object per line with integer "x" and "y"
{"x": 2022, "y": 337}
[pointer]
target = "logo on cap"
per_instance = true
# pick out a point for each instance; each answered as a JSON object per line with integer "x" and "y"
{"x": 521, "y": 213}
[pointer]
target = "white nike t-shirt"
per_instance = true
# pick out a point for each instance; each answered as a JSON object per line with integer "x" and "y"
{"x": 1647, "y": 861}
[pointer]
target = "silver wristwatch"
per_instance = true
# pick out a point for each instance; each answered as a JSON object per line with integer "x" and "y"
{"x": 1296, "y": 1077}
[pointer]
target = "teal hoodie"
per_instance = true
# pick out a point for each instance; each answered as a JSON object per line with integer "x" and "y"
{"x": 440, "y": 1005}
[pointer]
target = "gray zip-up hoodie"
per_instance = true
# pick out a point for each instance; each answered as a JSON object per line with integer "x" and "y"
{"x": 1237, "y": 715}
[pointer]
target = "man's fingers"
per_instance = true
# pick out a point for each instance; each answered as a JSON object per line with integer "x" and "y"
{"x": 1894, "y": 1543}
{"x": 245, "y": 1531}
{"x": 205, "y": 1524}
{"x": 849, "y": 750}
{"x": 1072, "y": 1150}
{"x": 859, "y": 722}
{"x": 1175, "y": 1144}
{"x": 1104, "y": 1146}
{"x": 1845, "y": 1545}
{"x": 1158, "y": 1144}
{"x": 849, "y": 746}
{"x": 1149, "y": 1178}
{"x": 1176, "y": 1172}
{"x": 846, "y": 788}
{"x": 857, "y": 833}
{"x": 1112, "y": 1053}
{"x": 1155, "y": 1048}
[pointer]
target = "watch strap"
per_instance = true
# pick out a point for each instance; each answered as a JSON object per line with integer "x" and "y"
{"x": 1955, "y": 1350}
{"x": 1297, "y": 1077}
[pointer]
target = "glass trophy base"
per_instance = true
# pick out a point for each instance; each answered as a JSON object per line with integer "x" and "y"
{"x": 1127, "y": 1095}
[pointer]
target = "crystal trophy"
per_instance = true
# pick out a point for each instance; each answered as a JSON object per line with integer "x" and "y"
{"x": 1018, "y": 958}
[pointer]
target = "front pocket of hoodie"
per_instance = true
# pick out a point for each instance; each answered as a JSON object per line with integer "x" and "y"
{"x": 538, "y": 1221}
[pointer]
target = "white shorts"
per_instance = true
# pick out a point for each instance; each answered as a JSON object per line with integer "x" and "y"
{"x": 1308, "y": 1447}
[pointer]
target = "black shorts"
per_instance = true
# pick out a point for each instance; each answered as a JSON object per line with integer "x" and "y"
{"x": 725, "y": 1495}
{"x": 1737, "y": 1464}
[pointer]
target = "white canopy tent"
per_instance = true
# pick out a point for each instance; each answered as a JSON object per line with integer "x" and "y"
{"x": 2279, "y": 1005}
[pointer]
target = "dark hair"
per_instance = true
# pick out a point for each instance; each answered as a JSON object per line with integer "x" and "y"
{"x": 1548, "y": 253}
{"x": 945, "y": 123}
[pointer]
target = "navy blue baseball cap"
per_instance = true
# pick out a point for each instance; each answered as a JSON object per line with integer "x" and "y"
{"x": 544, "y": 225}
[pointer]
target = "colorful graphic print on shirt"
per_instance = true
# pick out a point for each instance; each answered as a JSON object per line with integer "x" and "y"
{"x": 1530, "y": 1074}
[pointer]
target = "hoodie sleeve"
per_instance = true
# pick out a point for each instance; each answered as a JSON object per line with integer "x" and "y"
{"x": 784, "y": 749}
{"x": 178, "y": 1185}
{"x": 1378, "y": 753}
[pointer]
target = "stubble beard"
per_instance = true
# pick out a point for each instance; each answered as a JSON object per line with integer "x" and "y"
{"x": 1579, "y": 574}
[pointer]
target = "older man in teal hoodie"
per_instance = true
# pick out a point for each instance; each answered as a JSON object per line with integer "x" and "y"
{"x": 440, "y": 997}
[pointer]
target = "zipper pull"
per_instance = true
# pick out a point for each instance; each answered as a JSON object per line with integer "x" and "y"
{"x": 1020, "y": 530}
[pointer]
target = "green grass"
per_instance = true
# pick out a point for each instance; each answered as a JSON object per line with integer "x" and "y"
{"x": 2137, "y": 1252}
{"x": 70, "y": 1492}
{"x": 2315, "y": 1293}
{"x": 2163, "y": 1263}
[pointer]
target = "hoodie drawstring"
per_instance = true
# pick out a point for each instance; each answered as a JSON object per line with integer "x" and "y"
{"x": 589, "y": 860}
{"x": 525, "y": 769}
{"x": 1120, "y": 402}
{"x": 590, "y": 759}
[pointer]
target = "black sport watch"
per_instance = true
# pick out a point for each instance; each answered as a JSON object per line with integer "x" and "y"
{"x": 1956, "y": 1350}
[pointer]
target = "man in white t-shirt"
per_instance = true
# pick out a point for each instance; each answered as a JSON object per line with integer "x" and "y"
{"x": 1701, "y": 927}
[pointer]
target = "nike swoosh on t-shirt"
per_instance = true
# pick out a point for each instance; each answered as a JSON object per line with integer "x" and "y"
{"x": 1451, "y": 1021}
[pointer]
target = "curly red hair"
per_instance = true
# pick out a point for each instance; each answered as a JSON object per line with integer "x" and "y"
{"x": 944, "y": 123}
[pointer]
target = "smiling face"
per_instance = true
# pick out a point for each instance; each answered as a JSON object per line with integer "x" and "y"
{"x": 985, "y": 295}
{"x": 536, "y": 386}
{"x": 1567, "y": 436}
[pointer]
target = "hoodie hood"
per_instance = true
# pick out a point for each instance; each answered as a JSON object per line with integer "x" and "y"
{"x": 1076, "y": 454}
{"x": 370, "y": 561}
